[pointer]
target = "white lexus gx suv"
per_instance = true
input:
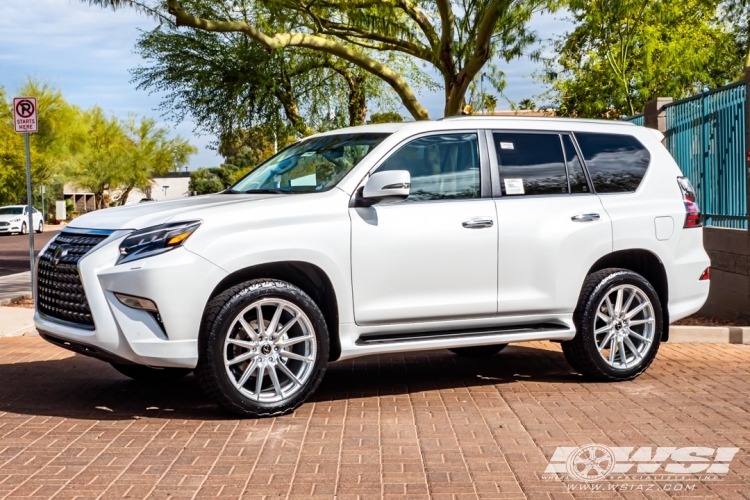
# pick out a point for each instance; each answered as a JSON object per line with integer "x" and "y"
{"x": 464, "y": 234}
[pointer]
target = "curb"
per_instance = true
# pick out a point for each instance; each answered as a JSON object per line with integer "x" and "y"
{"x": 709, "y": 334}
{"x": 15, "y": 298}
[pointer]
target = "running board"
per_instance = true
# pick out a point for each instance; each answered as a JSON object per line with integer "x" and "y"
{"x": 393, "y": 338}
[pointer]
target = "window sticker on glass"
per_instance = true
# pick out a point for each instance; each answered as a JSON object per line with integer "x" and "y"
{"x": 513, "y": 186}
{"x": 506, "y": 145}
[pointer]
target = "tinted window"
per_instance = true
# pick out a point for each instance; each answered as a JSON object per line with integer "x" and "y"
{"x": 11, "y": 211}
{"x": 530, "y": 164}
{"x": 575, "y": 168}
{"x": 441, "y": 166}
{"x": 616, "y": 163}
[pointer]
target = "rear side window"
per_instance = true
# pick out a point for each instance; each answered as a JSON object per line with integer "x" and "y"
{"x": 616, "y": 163}
{"x": 530, "y": 164}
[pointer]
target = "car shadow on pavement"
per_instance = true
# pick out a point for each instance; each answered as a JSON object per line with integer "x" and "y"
{"x": 78, "y": 387}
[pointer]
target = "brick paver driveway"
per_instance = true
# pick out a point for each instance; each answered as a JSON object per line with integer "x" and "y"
{"x": 428, "y": 425}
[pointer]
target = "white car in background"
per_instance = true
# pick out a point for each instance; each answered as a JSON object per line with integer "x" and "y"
{"x": 15, "y": 219}
{"x": 464, "y": 234}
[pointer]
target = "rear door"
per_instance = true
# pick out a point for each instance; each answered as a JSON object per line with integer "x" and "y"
{"x": 551, "y": 227}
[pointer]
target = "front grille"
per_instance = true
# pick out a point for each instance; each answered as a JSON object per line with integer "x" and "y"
{"x": 60, "y": 293}
{"x": 4, "y": 223}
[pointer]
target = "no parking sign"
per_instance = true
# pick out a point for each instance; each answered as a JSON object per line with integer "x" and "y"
{"x": 25, "y": 115}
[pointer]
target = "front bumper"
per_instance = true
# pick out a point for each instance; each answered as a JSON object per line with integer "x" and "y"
{"x": 179, "y": 282}
{"x": 10, "y": 229}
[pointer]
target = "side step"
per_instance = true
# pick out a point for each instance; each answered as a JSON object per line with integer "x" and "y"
{"x": 392, "y": 338}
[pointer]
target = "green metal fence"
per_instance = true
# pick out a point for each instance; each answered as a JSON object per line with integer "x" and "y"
{"x": 706, "y": 136}
{"x": 639, "y": 119}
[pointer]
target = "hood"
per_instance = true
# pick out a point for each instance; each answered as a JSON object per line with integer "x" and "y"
{"x": 9, "y": 217}
{"x": 152, "y": 213}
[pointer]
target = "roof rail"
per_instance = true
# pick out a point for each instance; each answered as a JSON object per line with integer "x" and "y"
{"x": 599, "y": 121}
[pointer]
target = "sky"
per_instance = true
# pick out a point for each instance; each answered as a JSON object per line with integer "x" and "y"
{"x": 87, "y": 53}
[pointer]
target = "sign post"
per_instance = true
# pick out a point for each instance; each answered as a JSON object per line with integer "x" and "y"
{"x": 25, "y": 122}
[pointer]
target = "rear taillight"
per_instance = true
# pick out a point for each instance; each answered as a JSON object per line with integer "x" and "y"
{"x": 693, "y": 215}
{"x": 692, "y": 210}
{"x": 706, "y": 275}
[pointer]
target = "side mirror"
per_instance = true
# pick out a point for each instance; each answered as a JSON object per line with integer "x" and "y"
{"x": 386, "y": 187}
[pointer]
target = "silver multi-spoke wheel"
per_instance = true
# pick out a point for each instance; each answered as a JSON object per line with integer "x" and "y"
{"x": 624, "y": 326}
{"x": 270, "y": 350}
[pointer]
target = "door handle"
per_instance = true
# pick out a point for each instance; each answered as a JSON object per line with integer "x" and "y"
{"x": 477, "y": 223}
{"x": 585, "y": 217}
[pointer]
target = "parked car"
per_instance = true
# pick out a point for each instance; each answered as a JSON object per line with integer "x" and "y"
{"x": 466, "y": 234}
{"x": 15, "y": 219}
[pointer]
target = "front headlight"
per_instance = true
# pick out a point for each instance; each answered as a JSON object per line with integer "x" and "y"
{"x": 155, "y": 240}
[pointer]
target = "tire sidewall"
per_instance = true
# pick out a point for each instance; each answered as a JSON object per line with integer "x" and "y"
{"x": 584, "y": 320}
{"x": 213, "y": 337}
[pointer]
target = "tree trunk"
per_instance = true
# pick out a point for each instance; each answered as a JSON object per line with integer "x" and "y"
{"x": 357, "y": 100}
{"x": 124, "y": 196}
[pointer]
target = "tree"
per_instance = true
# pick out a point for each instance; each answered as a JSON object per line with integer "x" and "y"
{"x": 210, "y": 180}
{"x": 386, "y": 117}
{"x": 737, "y": 15}
{"x": 527, "y": 104}
{"x": 625, "y": 52}
{"x": 456, "y": 37}
{"x": 102, "y": 164}
{"x": 227, "y": 83}
{"x": 53, "y": 148}
{"x": 148, "y": 152}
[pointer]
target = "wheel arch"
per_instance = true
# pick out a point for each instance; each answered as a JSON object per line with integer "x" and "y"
{"x": 648, "y": 265}
{"x": 310, "y": 278}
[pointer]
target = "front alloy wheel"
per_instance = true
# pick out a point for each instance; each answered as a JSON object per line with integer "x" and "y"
{"x": 270, "y": 351}
{"x": 618, "y": 326}
{"x": 263, "y": 348}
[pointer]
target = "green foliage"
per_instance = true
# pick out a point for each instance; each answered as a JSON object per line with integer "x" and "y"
{"x": 89, "y": 148}
{"x": 625, "y": 52}
{"x": 391, "y": 40}
{"x": 386, "y": 117}
{"x": 210, "y": 180}
{"x": 227, "y": 83}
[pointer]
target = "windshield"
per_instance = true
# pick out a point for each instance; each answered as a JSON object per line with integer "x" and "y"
{"x": 317, "y": 164}
{"x": 11, "y": 210}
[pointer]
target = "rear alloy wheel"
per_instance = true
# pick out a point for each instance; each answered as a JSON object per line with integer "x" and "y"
{"x": 151, "y": 374}
{"x": 478, "y": 351}
{"x": 263, "y": 348}
{"x": 619, "y": 326}
{"x": 41, "y": 227}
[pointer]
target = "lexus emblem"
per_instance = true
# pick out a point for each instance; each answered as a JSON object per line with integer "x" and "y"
{"x": 59, "y": 253}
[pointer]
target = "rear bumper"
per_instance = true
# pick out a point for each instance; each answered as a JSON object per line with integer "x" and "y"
{"x": 179, "y": 282}
{"x": 687, "y": 293}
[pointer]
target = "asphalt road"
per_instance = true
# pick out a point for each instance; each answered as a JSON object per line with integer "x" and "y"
{"x": 14, "y": 250}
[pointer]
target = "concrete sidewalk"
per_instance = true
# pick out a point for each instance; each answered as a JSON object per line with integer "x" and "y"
{"x": 15, "y": 287}
{"x": 17, "y": 322}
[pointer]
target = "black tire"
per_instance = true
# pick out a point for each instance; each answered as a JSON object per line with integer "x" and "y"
{"x": 41, "y": 228}
{"x": 23, "y": 229}
{"x": 219, "y": 318}
{"x": 582, "y": 352}
{"x": 149, "y": 374}
{"x": 478, "y": 351}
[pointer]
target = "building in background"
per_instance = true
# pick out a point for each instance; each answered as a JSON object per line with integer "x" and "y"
{"x": 169, "y": 187}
